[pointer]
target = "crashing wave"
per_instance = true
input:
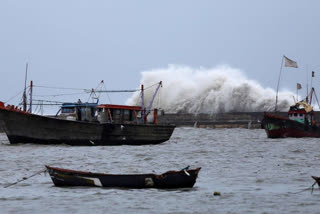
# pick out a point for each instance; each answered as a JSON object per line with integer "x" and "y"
{"x": 216, "y": 90}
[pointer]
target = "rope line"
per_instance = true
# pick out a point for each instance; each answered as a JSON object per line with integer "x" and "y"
{"x": 25, "y": 178}
{"x": 14, "y": 96}
{"x": 84, "y": 89}
{"x": 312, "y": 187}
{"x": 55, "y": 95}
{"x": 59, "y": 87}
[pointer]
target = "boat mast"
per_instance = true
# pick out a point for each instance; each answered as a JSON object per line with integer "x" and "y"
{"x": 312, "y": 89}
{"x": 142, "y": 103}
{"x": 307, "y": 86}
{"x": 24, "y": 97}
{"x": 31, "y": 87}
{"x": 275, "y": 109}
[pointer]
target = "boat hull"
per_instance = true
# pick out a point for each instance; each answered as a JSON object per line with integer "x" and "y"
{"x": 281, "y": 127}
{"x": 168, "y": 180}
{"x": 30, "y": 128}
{"x": 317, "y": 181}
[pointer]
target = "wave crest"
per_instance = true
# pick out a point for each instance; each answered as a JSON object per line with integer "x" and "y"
{"x": 216, "y": 90}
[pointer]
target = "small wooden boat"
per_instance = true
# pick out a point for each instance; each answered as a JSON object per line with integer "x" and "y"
{"x": 171, "y": 179}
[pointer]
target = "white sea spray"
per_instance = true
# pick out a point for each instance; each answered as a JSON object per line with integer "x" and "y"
{"x": 209, "y": 90}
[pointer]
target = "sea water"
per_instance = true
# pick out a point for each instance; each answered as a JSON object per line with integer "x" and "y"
{"x": 254, "y": 174}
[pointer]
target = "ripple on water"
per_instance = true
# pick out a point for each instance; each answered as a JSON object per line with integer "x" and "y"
{"x": 254, "y": 174}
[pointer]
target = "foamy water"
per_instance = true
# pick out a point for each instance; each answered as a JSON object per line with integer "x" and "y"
{"x": 214, "y": 90}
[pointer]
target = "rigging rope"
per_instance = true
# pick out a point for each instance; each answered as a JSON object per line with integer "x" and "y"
{"x": 55, "y": 95}
{"x": 90, "y": 90}
{"x": 82, "y": 89}
{"x": 114, "y": 91}
{"x": 68, "y": 94}
{"x": 14, "y": 96}
{"x": 110, "y": 101}
{"x": 49, "y": 101}
{"x": 25, "y": 178}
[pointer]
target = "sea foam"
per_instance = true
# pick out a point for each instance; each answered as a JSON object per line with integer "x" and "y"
{"x": 209, "y": 90}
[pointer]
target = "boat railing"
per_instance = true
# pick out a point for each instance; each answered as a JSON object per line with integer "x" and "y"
{"x": 12, "y": 108}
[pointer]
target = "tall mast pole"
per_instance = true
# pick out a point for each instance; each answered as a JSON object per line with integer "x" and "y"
{"x": 297, "y": 94}
{"x": 24, "y": 97}
{"x": 307, "y": 99}
{"x": 31, "y": 87}
{"x": 312, "y": 75}
{"x": 275, "y": 109}
{"x": 142, "y": 103}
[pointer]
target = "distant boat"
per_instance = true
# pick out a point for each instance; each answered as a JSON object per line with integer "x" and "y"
{"x": 299, "y": 123}
{"x": 85, "y": 124}
{"x": 172, "y": 179}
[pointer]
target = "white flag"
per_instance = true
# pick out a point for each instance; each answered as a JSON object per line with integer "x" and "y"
{"x": 290, "y": 63}
{"x": 299, "y": 86}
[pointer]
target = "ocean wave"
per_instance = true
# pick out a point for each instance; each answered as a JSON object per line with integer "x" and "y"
{"x": 209, "y": 90}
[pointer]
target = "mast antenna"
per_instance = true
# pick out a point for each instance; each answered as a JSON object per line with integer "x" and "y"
{"x": 307, "y": 85}
{"x": 24, "y": 96}
{"x": 31, "y": 88}
{"x": 142, "y": 103}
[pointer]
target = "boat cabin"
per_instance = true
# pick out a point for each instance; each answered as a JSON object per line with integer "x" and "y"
{"x": 297, "y": 115}
{"x": 301, "y": 112}
{"x": 78, "y": 111}
{"x": 108, "y": 113}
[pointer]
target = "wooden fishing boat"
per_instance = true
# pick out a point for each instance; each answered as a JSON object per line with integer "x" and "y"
{"x": 86, "y": 124}
{"x": 185, "y": 178}
{"x": 301, "y": 121}
{"x": 23, "y": 127}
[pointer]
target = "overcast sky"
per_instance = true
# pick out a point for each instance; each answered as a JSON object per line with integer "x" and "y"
{"x": 78, "y": 43}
